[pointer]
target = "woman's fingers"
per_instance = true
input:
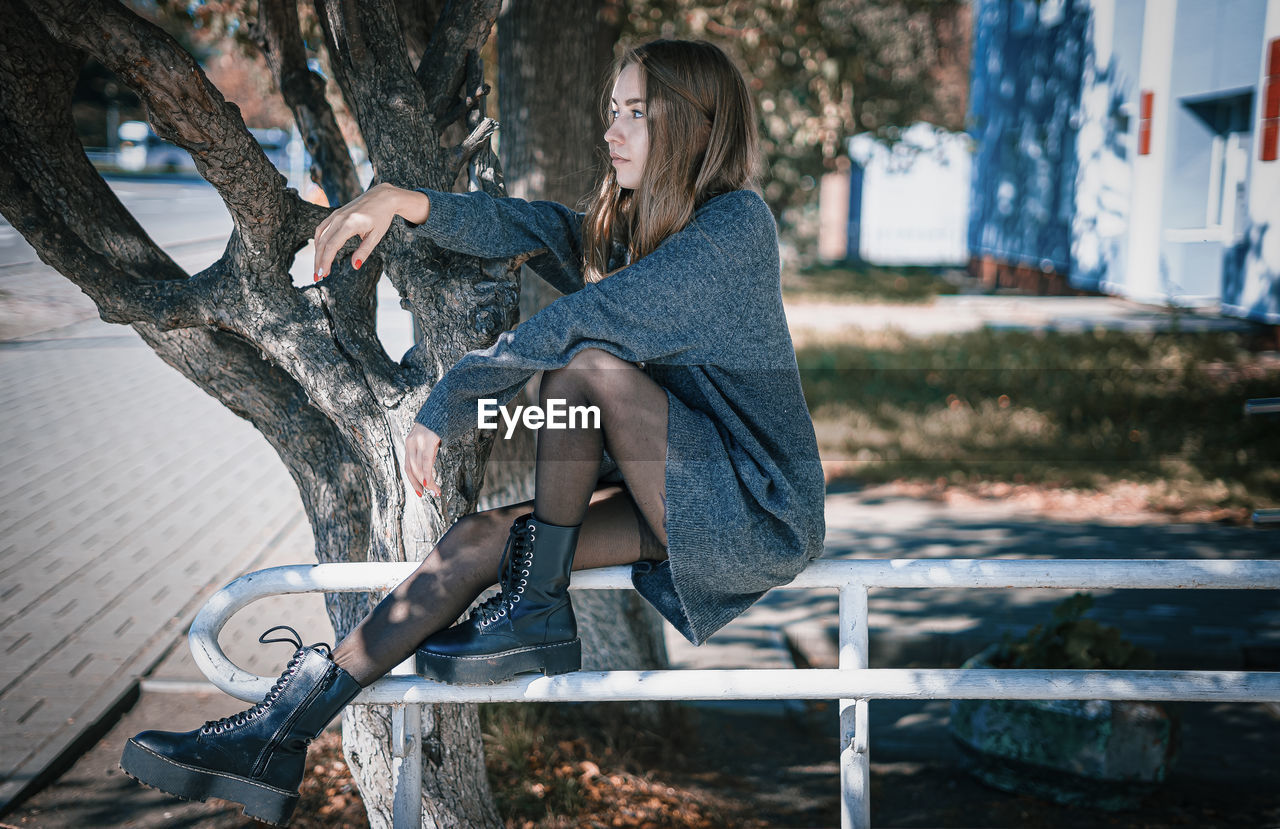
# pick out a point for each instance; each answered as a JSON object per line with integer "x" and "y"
{"x": 367, "y": 216}
{"x": 367, "y": 244}
{"x": 321, "y": 237}
{"x": 343, "y": 228}
{"x": 411, "y": 461}
{"x": 324, "y": 256}
{"x": 420, "y": 449}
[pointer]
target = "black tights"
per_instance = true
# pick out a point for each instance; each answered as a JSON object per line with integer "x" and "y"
{"x": 620, "y": 524}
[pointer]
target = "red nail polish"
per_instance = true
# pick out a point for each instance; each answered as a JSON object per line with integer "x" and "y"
{"x": 358, "y": 262}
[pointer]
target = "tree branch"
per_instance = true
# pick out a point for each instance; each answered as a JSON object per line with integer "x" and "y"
{"x": 474, "y": 93}
{"x": 369, "y": 62}
{"x": 477, "y": 140}
{"x": 417, "y": 21}
{"x": 182, "y": 105}
{"x": 166, "y": 304}
{"x": 464, "y": 26}
{"x": 54, "y": 197}
{"x": 279, "y": 37}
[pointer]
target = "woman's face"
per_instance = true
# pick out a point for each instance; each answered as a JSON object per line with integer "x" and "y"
{"x": 628, "y": 133}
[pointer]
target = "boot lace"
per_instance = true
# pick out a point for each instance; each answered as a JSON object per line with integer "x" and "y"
{"x": 291, "y": 669}
{"x": 513, "y": 573}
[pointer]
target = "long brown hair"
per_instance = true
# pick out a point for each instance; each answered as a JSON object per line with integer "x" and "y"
{"x": 702, "y": 142}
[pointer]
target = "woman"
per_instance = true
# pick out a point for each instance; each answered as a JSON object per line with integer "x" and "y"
{"x": 702, "y": 471}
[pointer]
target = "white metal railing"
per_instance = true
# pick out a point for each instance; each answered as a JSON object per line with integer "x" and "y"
{"x": 853, "y": 683}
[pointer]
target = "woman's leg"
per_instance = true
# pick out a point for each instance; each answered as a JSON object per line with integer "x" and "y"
{"x": 257, "y": 757}
{"x": 633, "y": 426}
{"x": 619, "y": 526}
{"x": 464, "y": 563}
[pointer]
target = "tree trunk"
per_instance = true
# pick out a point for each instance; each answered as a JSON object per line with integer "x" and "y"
{"x": 552, "y": 60}
{"x": 303, "y": 365}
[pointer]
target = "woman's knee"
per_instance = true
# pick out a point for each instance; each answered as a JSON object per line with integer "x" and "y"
{"x": 588, "y": 375}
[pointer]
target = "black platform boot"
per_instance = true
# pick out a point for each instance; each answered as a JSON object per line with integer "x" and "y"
{"x": 257, "y": 757}
{"x": 529, "y": 626}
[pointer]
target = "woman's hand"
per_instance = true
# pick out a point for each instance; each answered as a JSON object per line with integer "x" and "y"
{"x": 367, "y": 216}
{"x": 420, "y": 459}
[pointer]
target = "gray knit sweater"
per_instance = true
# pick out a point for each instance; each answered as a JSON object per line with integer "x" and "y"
{"x": 703, "y": 313}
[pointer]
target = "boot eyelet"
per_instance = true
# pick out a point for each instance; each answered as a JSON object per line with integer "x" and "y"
{"x": 502, "y": 612}
{"x": 515, "y": 598}
{"x": 524, "y": 573}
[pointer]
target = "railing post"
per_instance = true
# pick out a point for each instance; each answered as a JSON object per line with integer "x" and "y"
{"x": 855, "y": 760}
{"x": 1270, "y": 407}
{"x": 406, "y": 760}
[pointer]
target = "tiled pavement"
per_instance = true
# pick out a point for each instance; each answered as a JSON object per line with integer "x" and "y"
{"x": 127, "y": 495}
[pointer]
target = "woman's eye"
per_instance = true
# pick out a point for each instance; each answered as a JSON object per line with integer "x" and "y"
{"x": 613, "y": 115}
{"x": 637, "y": 113}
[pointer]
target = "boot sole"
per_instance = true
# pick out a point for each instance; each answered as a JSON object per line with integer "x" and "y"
{"x": 486, "y": 669}
{"x": 260, "y": 801}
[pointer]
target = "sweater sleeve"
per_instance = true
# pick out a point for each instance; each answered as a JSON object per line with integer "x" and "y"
{"x": 480, "y": 225}
{"x": 677, "y": 306}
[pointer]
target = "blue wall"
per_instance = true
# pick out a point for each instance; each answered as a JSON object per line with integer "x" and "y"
{"x": 1025, "y": 86}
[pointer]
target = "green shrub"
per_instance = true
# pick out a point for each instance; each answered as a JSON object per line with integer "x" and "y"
{"x": 1073, "y": 642}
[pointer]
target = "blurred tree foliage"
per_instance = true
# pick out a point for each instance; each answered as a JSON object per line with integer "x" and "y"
{"x": 821, "y": 70}
{"x": 220, "y": 34}
{"x": 824, "y": 70}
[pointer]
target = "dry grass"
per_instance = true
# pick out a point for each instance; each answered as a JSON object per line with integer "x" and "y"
{"x": 1089, "y": 412}
{"x": 866, "y": 283}
{"x": 553, "y": 767}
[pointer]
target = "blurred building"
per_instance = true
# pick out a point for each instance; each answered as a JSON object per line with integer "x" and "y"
{"x": 907, "y": 204}
{"x": 1129, "y": 147}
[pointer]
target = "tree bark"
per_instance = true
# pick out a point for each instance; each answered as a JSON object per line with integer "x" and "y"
{"x": 552, "y": 59}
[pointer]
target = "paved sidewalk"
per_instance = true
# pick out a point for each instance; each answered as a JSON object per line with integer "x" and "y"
{"x": 953, "y": 314}
{"x": 128, "y": 495}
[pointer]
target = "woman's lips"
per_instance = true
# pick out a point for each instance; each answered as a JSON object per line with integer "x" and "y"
{"x": 618, "y": 159}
